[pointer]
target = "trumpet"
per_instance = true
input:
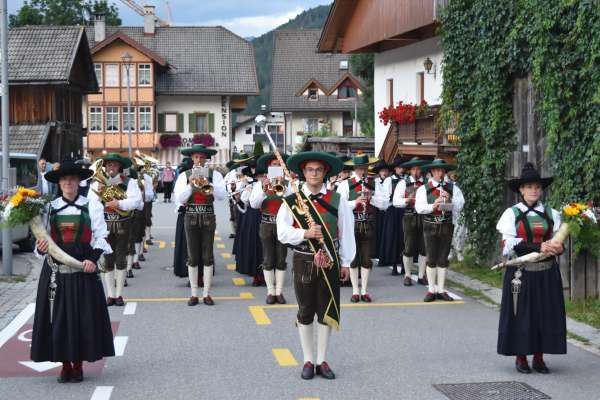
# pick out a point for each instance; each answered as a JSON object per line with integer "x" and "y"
{"x": 277, "y": 185}
{"x": 107, "y": 192}
{"x": 200, "y": 182}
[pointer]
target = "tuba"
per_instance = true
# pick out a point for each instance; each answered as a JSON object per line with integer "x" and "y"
{"x": 107, "y": 192}
{"x": 199, "y": 180}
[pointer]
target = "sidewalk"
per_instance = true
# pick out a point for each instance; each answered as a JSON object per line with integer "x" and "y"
{"x": 20, "y": 289}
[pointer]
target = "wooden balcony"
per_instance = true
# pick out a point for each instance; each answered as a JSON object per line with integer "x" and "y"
{"x": 120, "y": 141}
{"x": 420, "y": 138}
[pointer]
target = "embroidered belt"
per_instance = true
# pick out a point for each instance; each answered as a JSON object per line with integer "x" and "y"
{"x": 268, "y": 219}
{"x": 200, "y": 209}
{"x": 362, "y": 216}
{"x": 516, "y": 282}
{"x": 304, "y": 248}
{"x": 115, "y": 217}
{"x": 409, "y": 211}
{"x": 438, "y": 219}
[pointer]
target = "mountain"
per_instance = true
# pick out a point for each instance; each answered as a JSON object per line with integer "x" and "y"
{"x": 263, "y": 53}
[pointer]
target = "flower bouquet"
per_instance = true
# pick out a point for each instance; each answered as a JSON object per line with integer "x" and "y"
{"x": 577, "y": 221}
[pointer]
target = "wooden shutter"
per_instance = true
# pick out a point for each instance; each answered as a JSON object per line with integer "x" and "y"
{"x": 179, "y": 123}
{"x": 211, "y": 123}
{"x": 161, "y": 122}
{"x": 192, "y": 121}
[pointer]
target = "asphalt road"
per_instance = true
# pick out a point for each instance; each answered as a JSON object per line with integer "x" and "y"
{"x": 394, "y": 348}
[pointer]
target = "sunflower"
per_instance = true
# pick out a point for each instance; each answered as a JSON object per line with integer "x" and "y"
{"x": 17, "y": 199}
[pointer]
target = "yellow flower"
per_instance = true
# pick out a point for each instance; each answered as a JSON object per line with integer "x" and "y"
{"x": 581, "y": 206}
{"x": 16, "y": 200}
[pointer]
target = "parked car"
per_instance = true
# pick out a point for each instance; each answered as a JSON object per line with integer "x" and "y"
{"x": 23, "y": 172}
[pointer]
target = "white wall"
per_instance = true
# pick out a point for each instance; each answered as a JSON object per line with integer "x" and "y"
{"x": 402, "y": 65}
{"x": 242, "y": 139}
{"x": 218, "y": 105}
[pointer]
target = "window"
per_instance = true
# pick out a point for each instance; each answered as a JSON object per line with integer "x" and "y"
{"x": 257, "y": 129}
{"x": 343, "y": 65}
{"x": 313, "y": 94}
{"x": 170, "y": 122}
{"x": 248, "y": 148}
{"x": 249, "y": 131}
{"x": 311, "y": 125}
{"x": 128, "y": 119}
{"x": 95, "y": 119}
{"x": 346, "y": 90}
{"x": 98, "y": 72}
{"x": 111, "y": 72}
{"x": 144, "y": 75}
{"x": 389, "y": 86}
{"x": 420, "y": 87}
{"x": 112, "y": 119}
{"x": 273, "y": 128}
{"x": 201, "y": 123}
{"x": 131, "y": 74}
{"x": 145, "y": 119}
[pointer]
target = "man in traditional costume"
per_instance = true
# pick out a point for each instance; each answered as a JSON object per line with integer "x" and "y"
{"x": 392, "y": 238}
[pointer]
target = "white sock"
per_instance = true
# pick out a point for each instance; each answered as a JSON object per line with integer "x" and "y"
{"x": 422, "y": 265}
{"x": 136, "y": 257}
{"x": 270, "y": 281}
{"x": 109, "y": 282}
{"x": 129, "y": 262}
{"x": 441, "y": 279}
{"x": 354, "y": 280}
{"x": 431, "y": 272}
{"x": 279, "y": 281}
{"x": 140, "y": 247}
{"x": 364, "y": 279}
{"x": 148, "y": 232}
{"x": 193, "y": 277}
{"x": 306, "y": 341}
{"x": 408, "y": 264}
{"x": 120, "y": 277}
{"x": 323, "y": 333}
{"x": 207, "y": 279}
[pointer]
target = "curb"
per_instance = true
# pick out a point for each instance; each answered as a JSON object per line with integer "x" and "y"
{"x": 15, "y": 296}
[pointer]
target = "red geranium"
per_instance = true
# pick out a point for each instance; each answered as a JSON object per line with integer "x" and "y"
{"x": 403, "y": 112}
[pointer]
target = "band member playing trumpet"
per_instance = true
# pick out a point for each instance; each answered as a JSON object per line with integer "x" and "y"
{"x": 358, "y": 192}
{"x": 231, "y": 178}
{"x": 440, "y": 203}
{"x": 319, "y": 224}
{"x": 267, "y": 195}
{"x": 117, "y": 213}
{"x": 198, "y": 193}
{"x": 71, "y": 322}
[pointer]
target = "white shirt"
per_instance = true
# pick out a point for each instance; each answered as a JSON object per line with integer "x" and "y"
{"x": 45, "y": 189}
{"x": 183, "y": 190}
{"x": 148, "y": 189}
{"x": 423, "y": 207}
{"x": 344, "y": 190}
{"x": 379, "y": 199}
{"x": 287, "y": 234}
{"x": 258, "y": 195}
{"x": 134, "y": 194}
{"x": 399, "y": 199}
{"x": 508, "y": 230}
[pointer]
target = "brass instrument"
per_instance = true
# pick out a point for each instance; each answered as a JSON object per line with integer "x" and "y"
{"x": 199, "y": 180}
{"x": 277, "y": 185}
{"x": 107, "y": 192}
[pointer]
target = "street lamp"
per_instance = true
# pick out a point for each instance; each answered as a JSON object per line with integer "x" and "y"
{"x": 428, "y": 64}
{"x": 126, "y": 58}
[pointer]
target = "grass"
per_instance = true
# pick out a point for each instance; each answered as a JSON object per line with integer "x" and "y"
{"x": 586, "y": 311}
{"x": 483, "y": 274}
{"x": 12, "y": 278}
{"x": 575, "y": 336}
{"x": 473, "y": 293}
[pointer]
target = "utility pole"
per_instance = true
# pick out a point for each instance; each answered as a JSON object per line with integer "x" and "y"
{"x": 6, "y": 238}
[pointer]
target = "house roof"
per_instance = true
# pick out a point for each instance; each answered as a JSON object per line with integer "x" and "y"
{"x": 295, "y": 63}
{"x": 118, "y": 35}
{"x": 27, "y": 139}
{"x": 48, "y": 54}
{"x": 241, "y": 119}
{"x": 201, "y": 60}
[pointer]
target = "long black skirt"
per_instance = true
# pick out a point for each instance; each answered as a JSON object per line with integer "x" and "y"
{"x": 391, "y": 244}
{"x": 248, "y": 257}
{"x": 540, "y": 324}
{"x": 238, "y": 235}
{"x": 180, "y": 255}
{"x": 80, "y": 329}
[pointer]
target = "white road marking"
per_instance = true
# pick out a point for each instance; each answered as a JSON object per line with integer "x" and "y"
{"x": 16, "y": 323}
{"x": 40, "y": 366}
{"x": 130, "y": 308}
{"x": 120, "y": 342}
{"x": 102, "y": 393}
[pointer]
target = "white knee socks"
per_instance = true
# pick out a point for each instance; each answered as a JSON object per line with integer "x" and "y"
{"x": 279, "y": 281}
{"x": 306, "y": 341}
{"x": 120, "y": 277}
{"x": 422, "y": 265}
{"x": 354, "y": 280}
{"x": 207, "y": 279}
{"x": 323, "y": 333}
{"x": 441, "y": 279}
{"x": 129, "y": 262}
{"x": 408, "y": 264}
{"x": 109, "y": 282}
{"x": 364, "y": 279}
{"x": 431, "y": 273}
{"x": 270, "y": 281}
{"x": 193, "y": 276}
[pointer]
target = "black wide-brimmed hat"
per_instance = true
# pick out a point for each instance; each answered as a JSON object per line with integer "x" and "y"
{"x": 296, "y": 162}
{"x": 67, "y": 168}
{"x": 343, "y": 159}
{"x": 438, "y": 163}
{"x": 378, "y": 166}
{"x": 528, "y": 175}
{"x": 265, "y": 159}
{"x": 185, "y": 164}
{"x": 414, "y": 162}
{"x": 125, "y": 162}
{"x": 198, "y": 148}
{"x": 398, "y": 160}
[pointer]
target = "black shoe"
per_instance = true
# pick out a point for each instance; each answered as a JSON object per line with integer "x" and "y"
{"x": 136, "y": 265}
{"x": 208, "y": 301}
{"x": 280, "y": 299}
{"x": 149, "y": 242}
{"x": 423, "y": 281}
{"x": 76, "y": 375}
{"x": 270, "y": 299}
{"x": 429, "y": 297}
{"x": 365, "y": 298}
{"x": 308, "y": 371}
{"x": 119, "y": 301}
{"x": 129, "y": 273}
{"x": 522, "y": 367}
{"x": 141, "y": 257}
{"x": 231, "y": 236}
{"x": 355, "y": 298}
{"x": 110, "y": 301}
{"x": 540, "y": 367}
{"x": 325, "y": 371}
{"x": 193, "y": 301}
{"x": 125, "y": 284}
{"x": 444, "y": 296}
{"x": 395, "y": 270}
{"x": 65, "y": 375}
{"x": 407, "y": 281}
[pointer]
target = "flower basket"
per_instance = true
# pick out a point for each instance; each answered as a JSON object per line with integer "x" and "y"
{"x": 204, "y": 139}
{"x": 171, "y": 140}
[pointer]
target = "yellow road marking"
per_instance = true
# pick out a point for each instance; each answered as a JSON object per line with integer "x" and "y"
{"x": 220, "y": 245}
{"x": 173, "y": 244}
{"x": 261, "y": 318}
{"x": 161, "y": 244}
{"x": 217, "y": 238}
{"x": 242, "y": 296}
{"x": 238, "y": 281}
{"x": 309, "y": 398}
{"x": 226, "y": 255}
{"x": 285, "y": 358}
{"x": 231, "y": 267}
{"x": 259, "y": 315}
{"x": 246, "y": 295}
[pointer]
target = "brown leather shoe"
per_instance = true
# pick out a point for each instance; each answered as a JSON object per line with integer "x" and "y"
{"x": 77, "y": 373}
{"x": 429, "y": 297}
{"x": 366, "y": 298}
{"x": 208, "y": 301}
{"x": 136, "y": 265}
{"x": 270, "y": 299}
{"x": 325, "y": 371}
{"x": 355, "y": 298}
{"x": 280, "y": 299}
{"x": 119, "y": 301}
{"x": 444, "y": 296}
{"x": 110, "y": 301}
{"x": 407, "y": 281}
{"x": 193, "y": 301}
{"x": 423, "y": 281}
{"x": 65, "y": 373}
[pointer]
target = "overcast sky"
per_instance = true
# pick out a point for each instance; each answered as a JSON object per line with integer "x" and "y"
{"x": 244, "y": 17}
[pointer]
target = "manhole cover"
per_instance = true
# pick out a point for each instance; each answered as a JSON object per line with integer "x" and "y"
{"x": 490, "y": 391}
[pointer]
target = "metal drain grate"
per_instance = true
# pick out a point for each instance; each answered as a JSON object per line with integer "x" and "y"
{"x": 491, "y": 391}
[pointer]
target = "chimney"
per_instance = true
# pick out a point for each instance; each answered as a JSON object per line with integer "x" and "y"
{"x": 99, "y": 27}
{"x": 149, "y": 20}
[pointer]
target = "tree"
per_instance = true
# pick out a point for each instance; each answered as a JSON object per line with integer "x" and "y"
{"x": 63, "y": 12}
{"x": 362, "y": 66}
